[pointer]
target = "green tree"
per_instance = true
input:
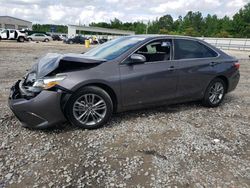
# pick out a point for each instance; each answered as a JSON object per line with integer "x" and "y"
{"x": 190, "y": 31}
{"x": 241, "y": 22}
{"x": 193, "y": 20}
{"x": 192, "y": 24}
{"x": 211, "y": 26}
{"x": 166, "y": 22}
{"x": 223, "y": 34}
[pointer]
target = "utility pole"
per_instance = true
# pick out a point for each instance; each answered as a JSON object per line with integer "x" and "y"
{"x": 146, "y": 23}
{"x": 146, "y": 28}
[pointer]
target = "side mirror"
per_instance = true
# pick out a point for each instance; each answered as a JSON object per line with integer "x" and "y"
{"x": 137, "y": 58}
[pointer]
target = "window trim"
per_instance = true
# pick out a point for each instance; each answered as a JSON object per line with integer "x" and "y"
{"x": 199, "y": 41}
{"x": 152, "y": 40}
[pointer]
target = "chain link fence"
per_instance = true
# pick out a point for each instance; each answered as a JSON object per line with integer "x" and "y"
{"x": 242, "y": 44}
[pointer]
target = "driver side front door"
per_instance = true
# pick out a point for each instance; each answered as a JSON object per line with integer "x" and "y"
{"x": 152, "y": 81}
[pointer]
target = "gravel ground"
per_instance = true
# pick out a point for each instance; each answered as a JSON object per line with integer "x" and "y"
{"x": 184, "y": 145}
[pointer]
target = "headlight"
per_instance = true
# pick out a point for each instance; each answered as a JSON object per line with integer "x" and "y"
{"x": 47, "y": 83}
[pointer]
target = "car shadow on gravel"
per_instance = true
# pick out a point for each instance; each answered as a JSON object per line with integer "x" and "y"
{"x": 116, "y": 119}
{"x": 129, "y": 115}
{"x": 133, "y": 114}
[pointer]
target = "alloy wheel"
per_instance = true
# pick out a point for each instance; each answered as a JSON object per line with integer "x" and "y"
{"x": 89, "y": 109}
{"x": 216, "y": 92}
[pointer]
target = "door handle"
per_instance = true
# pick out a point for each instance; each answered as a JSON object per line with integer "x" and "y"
{"x": 172, "y": 68}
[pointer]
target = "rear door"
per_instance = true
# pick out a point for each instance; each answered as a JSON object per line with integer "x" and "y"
{"x": 195, "y": 64}
{"x": 35, "y": 37}
{"x": 38, "y": 37}
{"x": 41, "y": 37}
{"x": 12, "y": 34}
{"x": 152, "y": 81}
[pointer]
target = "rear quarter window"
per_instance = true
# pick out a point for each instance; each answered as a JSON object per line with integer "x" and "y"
{"x": 189, "y": 49}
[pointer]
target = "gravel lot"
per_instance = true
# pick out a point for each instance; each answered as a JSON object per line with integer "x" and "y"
{"x": 184, "y": 145}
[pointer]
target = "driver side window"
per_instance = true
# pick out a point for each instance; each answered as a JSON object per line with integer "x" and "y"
{"x": 159, "y": 50}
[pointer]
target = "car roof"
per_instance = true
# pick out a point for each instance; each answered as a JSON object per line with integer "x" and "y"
{"x": 155, "y": 36}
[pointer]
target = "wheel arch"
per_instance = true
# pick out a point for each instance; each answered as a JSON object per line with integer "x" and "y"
{"x": 224, "y": 78}
{"x": 103, "y": 86}
{"x": 19, "y": 37}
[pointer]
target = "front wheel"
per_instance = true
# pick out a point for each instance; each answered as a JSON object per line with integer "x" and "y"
{"x": 215, "y": 93}
{"x": 20, "y": 39}
{"x": 46, "y": 40}
{"x": 90, "y": 108}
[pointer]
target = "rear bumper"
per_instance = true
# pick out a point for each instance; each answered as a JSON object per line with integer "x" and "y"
{"x": 233, "y": 81}
{"x": 42, "y": 111}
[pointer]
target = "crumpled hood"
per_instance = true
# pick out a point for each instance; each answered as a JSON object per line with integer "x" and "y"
{"x": 51, "y": 61}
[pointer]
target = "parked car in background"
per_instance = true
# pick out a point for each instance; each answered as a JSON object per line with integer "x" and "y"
{"x": 39, "y": 37}
{"x": 123, "y": 74}
{"x": 56, "y": 38}
{"x": 63, "y": 36}
{"x": 102, "y": 40}
{"x": 12, "y": 34}
{"x": 75, "y": 40}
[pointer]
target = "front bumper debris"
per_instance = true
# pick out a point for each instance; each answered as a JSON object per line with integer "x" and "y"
{"x": 40, "y": 111}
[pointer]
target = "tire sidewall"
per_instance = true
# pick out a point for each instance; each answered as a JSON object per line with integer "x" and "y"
{"x": 206, "y": 100}
{"x": 20, "y": 39}
{"x": 87, "y": 90}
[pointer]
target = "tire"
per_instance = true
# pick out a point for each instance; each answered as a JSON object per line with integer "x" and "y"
{"x": 20, "y": 39}
{"x": 29, "y": 39}
{"x": 85, "y": 114}
{"x": 46, "y": 40}
{"x": 215, "y": 93}
{"x": 71, "y": 42}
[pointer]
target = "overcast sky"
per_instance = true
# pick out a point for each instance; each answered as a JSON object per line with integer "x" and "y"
{"x": 86, "y": 11}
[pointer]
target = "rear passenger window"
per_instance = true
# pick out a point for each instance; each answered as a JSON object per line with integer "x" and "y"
{"x": 188, "y": 49}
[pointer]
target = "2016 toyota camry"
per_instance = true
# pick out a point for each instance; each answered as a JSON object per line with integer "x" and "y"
{"x": 123, "y": 74}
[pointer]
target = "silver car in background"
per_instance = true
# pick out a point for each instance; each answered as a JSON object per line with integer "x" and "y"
{"x": 39, "y": 37}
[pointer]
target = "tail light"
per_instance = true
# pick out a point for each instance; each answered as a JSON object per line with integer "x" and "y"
{"x": 237, "y": 65}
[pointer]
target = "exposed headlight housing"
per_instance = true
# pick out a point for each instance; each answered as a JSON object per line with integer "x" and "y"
{"x": 49, "y": 82}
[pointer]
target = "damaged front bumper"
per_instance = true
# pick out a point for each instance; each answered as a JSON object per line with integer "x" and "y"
{"x": 40, "y": 111}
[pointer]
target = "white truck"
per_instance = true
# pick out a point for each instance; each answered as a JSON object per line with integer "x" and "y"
{"x": 12, "y": 34}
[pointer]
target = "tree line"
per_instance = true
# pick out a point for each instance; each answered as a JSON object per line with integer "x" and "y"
{"x": 192, "y": 24}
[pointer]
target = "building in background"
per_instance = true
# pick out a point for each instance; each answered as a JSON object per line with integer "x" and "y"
{"x": 9, "y": 22}
{"x": 99, "y": 31}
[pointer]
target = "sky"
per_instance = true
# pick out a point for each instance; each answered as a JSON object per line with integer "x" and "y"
{"x": 87, "y": 11}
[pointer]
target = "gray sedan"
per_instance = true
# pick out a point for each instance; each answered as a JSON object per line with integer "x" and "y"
{"x": 123, "y": 74}
{"x": 39, "y": 37}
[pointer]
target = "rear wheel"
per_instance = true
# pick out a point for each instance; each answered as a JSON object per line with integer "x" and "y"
{"x": 46, "y": 40}
{"x": 89, "y": 108}
{"x": 215, "y": 93}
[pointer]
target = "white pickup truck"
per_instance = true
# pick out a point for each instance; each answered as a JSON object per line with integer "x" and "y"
{"x": 12, "y": 34}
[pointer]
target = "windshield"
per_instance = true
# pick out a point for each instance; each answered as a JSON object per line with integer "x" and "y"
{"x": 114, "y": 48}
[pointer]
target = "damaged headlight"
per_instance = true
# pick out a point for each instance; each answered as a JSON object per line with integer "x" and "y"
{"x": 49, "y": 82}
